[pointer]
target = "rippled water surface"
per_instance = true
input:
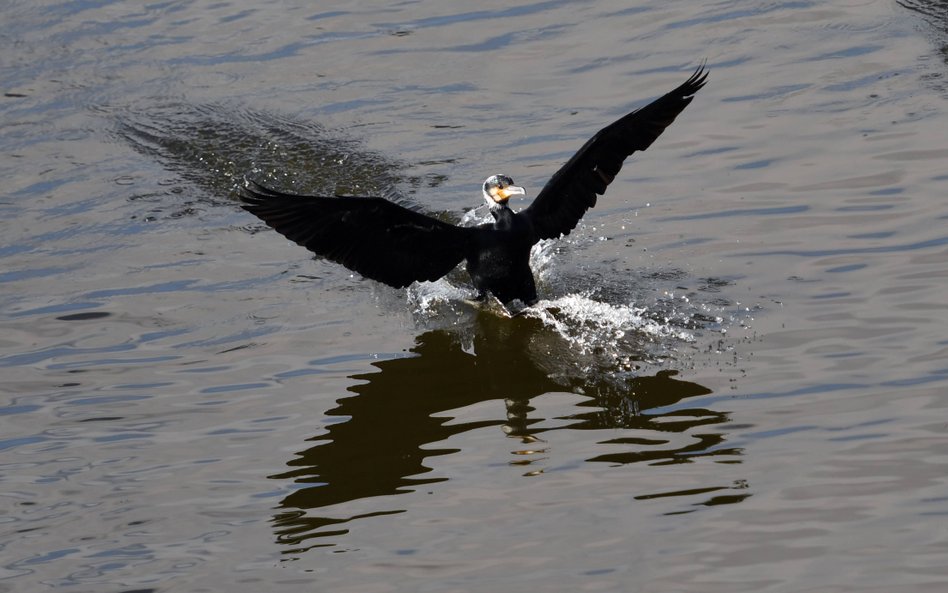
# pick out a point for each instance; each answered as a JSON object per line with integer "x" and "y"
{"x": 735, "y": 380}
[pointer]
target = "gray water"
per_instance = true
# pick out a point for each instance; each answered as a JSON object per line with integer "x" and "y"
{"x": 735, "y": 381}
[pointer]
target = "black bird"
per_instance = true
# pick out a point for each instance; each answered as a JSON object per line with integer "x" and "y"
{"x": 392, "y": 244}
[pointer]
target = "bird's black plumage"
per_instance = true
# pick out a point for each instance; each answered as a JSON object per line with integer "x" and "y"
{"x": 392, "y": 244}
{"x": 377, "y": 238}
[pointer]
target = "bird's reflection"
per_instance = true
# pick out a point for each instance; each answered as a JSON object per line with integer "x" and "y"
{"x": 386, "y": 426}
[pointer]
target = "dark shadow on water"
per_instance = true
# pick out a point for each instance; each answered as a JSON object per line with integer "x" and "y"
{"x": 936, "y": 10}
{"x": 380, "y": 444}
{"x": 935, "y": 13}
{"x": 213, "y": 146}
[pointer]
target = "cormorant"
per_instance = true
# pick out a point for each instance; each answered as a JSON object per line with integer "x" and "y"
{"x": 392, "y": 244}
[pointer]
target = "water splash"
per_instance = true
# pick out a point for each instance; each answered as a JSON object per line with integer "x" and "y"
{"x": 604, "y": 326}
{"x": 476, "y": 216}
{"x": 590, "y": 323}
{"x": 430, "y": 299}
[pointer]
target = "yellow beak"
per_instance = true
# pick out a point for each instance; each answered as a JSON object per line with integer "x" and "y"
{"x": 504, "y": 193}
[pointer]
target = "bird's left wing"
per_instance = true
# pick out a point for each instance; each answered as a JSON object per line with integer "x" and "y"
{"x": 573, "y": 189}
{"x": 372, "y": 236}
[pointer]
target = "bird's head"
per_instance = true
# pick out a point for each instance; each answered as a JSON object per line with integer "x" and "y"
{"x": 498, "y": 189}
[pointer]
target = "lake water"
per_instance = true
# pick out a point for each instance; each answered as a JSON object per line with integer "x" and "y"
{"x": 737, "y": 379}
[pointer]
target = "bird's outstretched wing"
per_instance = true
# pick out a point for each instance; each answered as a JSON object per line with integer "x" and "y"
{"x": 372, "y": 236}
{"x": 573, "y": 189}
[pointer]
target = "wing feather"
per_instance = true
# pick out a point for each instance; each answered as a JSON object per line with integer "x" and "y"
{"x": 372, "y": 236}
{"x": 573, "y": 189}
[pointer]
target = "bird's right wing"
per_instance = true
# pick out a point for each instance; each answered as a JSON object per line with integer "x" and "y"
{"x": 372, "y": 236}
